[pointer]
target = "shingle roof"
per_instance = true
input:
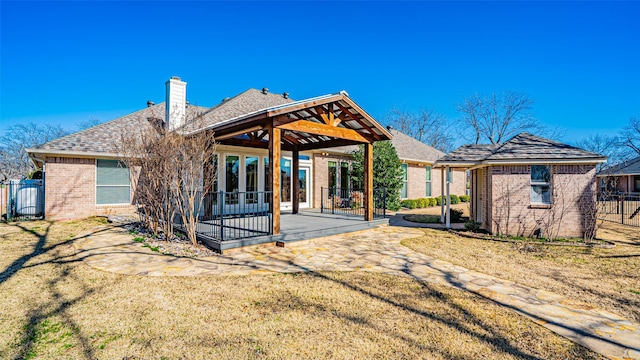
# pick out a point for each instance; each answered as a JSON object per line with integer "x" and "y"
{"x": 629, "y": 167}
{"x": 408, "y": 148}
{"x": 102, "y": 138}
{"x": 241, "y": 104}
{"x": 524, "y": 147}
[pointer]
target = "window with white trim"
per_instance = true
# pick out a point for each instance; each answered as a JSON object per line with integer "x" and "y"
{"x": 428, "y": 192}
{"x": 112, "y": 183}
{"x": 405, "y": 178}
{"x": 540, "y": 184}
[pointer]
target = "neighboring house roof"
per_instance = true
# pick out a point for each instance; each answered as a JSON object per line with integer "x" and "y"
{"x": 522, "y": 148}
{"x": 629, "y": 167}
{"x": 407, "y": 148}
{"x": 101, "y": 139}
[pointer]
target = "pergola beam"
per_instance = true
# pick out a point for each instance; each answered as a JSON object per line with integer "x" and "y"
{"x": 311, "y": 127}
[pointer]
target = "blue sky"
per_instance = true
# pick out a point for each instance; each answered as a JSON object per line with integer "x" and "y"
{"x": 66, "y": 62}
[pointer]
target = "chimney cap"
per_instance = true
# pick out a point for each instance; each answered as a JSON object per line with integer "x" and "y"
{"x": 150, "y": 103}
{"x": 265, "y": 90}
{"x": 175, "y": 78}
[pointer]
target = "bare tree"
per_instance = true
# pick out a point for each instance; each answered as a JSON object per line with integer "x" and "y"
{"x": 168, "y": 171}
{"x": 425, "y": 125}
{"x": 631, "y": 135}
{"x": 89, "y": 123}
{"x": 609, "y": 146}
{"x": 496, "y": 118}
{"x": 14, "y": 161}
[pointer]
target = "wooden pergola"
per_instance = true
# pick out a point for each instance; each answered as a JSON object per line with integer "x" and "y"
{"x": 316, "y": 123}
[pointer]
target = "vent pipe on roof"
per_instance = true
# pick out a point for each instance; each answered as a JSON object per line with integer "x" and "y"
{"x": 226, "y": 99}
{"x": 176, "y": 102}
{"x": 389, "y": 127}
{"x": 150, "y": 103}
{"x": 285, "y": 95}
{"x": 265, "y": 91}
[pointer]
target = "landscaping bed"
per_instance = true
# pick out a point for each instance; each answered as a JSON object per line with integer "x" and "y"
{"x": 597, "y": 243}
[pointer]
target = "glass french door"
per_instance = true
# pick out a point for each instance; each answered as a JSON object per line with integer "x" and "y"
{"x": 303, "y": 187}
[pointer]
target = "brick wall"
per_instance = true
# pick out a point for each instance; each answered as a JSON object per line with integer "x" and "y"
{"x": 511, "y": 209}
{"x": 417, "y": 182}
{"x": 70, "y": 189}
{"x": 321, "y": 173}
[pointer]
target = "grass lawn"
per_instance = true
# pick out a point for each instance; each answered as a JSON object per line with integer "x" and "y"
{"x": 606, "y": 278}
{"x": 54, "y": 306}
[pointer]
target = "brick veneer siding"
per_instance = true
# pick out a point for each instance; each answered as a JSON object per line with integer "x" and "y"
{"x": 417, "y": 182}
{"x": 508, "y": 190}
{"x": 321, "y": 173}
{"x": 70, "y": 189}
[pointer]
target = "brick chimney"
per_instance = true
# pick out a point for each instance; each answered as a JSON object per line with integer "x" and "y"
{"x": 175, "y": 103}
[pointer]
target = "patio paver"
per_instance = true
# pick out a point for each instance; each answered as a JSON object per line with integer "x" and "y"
{"x": 112, "y": 249}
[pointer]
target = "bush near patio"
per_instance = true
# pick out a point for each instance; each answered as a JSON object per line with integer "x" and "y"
{"x": 428, "y": 202}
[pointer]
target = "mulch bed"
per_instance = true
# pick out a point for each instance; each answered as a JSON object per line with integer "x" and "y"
{"x": 178, "y": 245}
{"x": 599, "y": 243}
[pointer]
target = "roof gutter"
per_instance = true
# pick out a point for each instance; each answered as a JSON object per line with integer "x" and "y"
{"x": 71, "y": 153}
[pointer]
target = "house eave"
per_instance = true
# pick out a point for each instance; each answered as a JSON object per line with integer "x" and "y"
{"x": 86, "y": 154}
{"x": 544, "y": 161}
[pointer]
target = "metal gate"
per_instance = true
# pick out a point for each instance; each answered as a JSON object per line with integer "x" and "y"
{"x": 21, "y": 200}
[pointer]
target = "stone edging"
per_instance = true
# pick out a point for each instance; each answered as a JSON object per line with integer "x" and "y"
{"x": 608, "y": 245}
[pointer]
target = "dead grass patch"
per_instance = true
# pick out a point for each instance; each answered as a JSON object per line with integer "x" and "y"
{"x": 606, "y": 278}
{"x": 54, "y": 306}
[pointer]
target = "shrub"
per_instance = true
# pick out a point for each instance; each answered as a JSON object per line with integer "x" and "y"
{"x": 409, "y": 204}
{"x": 454, "y": 199}
{"x": 456, "y": 215}
{"x": 471, "y": 225}
{"x": 432, "y": 202}
{"x": 438, "y": 200}
{"x": 423, "y": 203}
{"x": 464, "y": 198}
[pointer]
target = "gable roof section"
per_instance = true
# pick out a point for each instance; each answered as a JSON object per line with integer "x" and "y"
{"x": 629, "y": 167}
{"x": 100, "y": 139}
{"x": 407, "y": 148}
{"x": 522, "y": 148}
{"x": 319, "y": 122}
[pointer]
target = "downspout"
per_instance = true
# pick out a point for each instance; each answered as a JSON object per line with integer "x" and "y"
{"x": 448, "y": 225}
{"x": 442, "y": 195}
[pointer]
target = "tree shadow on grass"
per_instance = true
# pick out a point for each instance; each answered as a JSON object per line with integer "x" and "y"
{"x": 59, "y": 300}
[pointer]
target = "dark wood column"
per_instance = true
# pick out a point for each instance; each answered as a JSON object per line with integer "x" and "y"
{"x": 295, "y": 197}
{"x": 368, "y": 182}
{"x": 274, "y": 176}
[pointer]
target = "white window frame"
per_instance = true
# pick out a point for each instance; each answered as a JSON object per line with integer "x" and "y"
{"x": 429, "y": 181}
{"x": 98, "y": 186}
{"x": 541, "y": 183}
{"x": 405, "y": 181}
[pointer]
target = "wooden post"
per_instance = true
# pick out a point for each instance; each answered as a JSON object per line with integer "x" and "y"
{"x": 295, "y": 197}
{"x": 368, "y": 182}
{"x": 442, "y": 180}
{"x": 274, "y": 176}
{"x": 448, "y": 200}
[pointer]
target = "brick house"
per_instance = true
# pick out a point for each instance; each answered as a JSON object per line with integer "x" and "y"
{"x": 331, "y": 167}
{"x": 83, "y": 176}
{"x": 530, "y": 185}
{"x": 623, "y": 177}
